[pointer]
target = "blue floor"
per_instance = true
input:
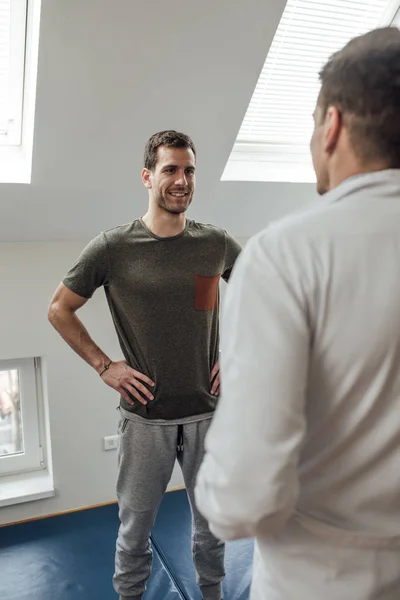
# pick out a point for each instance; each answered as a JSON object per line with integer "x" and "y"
{"x": 70, "y": 557}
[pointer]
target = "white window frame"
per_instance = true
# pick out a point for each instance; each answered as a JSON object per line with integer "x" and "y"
{"x": 32, "y": 457}
{"x": 396, "y": 20}
{"x": 392, "y": 14}
{"x": 17, "y": 147}
{"x": 12, "y": 136}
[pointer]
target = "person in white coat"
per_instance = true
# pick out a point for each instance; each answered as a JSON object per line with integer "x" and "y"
{"x": 304, "y": 450}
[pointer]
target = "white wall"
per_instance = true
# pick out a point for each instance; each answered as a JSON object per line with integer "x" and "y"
{"x": 82, "y": 409}
{"x": 110, "y": 74}
{"x": 244, "y": 208}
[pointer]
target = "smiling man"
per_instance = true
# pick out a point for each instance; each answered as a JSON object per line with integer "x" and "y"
{"x": 304, "y": 450}
{"x": 160, "y": 274}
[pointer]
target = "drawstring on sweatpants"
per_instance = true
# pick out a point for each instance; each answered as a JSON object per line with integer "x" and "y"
{"x": 180, "y": 438}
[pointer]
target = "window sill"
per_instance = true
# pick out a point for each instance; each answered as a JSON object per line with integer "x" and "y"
{"x": 268, "y": 172}
{"x": 26, "y": 487}
{"x": 15, "y": 165}
{"x": 269, "y": 163}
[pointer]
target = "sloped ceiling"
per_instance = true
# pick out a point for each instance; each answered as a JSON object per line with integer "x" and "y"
{"x": 111, "y": 73}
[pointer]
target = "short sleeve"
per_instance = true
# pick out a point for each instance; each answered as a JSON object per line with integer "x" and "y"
{"x": 91, "y": 270}
{"x": 232, "y": 251}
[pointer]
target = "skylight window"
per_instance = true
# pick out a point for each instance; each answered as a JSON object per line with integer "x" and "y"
{"x": 19, "y": 40}
{"x": 12, "y": 68}
{"x": 272, "y": 144}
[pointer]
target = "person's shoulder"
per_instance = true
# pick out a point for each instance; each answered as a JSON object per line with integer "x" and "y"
{"x": 308, "y": 222}
{"x": 122, "y": 233}
{"x": 206, "y": 230}
{"x": 296, "y": 235}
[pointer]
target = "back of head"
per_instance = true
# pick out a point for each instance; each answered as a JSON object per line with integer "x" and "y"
{"x": 169, "y": 138}
{"x": 363, "y": 82}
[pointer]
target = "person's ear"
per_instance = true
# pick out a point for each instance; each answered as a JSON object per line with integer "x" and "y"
{"x": 146, "y": 178}
{"x": 332, "y": 128}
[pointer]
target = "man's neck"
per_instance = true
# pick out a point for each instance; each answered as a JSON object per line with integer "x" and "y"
{"x": 352, "y": 168}
{"x": 165, "y": 224}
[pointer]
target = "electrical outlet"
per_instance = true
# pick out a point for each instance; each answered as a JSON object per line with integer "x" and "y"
{"x": 110, "y": 442}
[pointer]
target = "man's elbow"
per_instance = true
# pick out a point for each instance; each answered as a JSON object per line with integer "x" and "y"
{"x": 53, "y": 312}
{"x": 245, "y": 511}
{"x": 57, "y": 314}
{"x": 247, "y": 527}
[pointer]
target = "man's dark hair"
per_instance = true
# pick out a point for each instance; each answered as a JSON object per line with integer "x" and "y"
{"x": 169, "y": 138}
{"x": 363, "y": 82}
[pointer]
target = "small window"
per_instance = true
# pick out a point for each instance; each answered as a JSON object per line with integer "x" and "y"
{"x": 12, "y": 69}
{"x": 20, "y": 447}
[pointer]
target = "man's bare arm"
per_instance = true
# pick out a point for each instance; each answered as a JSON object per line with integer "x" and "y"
{"x": 62, "y": 315}
{"x": 118, "y": 375}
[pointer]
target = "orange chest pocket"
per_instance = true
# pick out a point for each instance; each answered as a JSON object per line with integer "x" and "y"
{"x": 206, "y": 297}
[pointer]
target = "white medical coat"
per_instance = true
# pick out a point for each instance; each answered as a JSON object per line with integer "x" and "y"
{"x": 304, "y": 449}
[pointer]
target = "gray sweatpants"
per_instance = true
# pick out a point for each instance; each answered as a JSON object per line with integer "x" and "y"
{"x": 146, "y": 458}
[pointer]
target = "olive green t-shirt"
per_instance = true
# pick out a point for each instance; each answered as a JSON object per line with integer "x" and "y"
{"x": 163, "y": 296}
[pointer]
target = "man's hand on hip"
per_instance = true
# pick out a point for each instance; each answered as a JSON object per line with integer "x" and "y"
{"x": 122, "y": 378}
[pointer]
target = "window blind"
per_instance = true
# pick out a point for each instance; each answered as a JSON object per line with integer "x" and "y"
{"x": 310, "y": 31}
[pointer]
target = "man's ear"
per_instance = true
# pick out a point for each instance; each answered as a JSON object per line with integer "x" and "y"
{"x": 146, "y": 178}
{"x": 332, "y": 128}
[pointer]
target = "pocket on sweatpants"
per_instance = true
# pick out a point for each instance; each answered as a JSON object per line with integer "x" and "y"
{"x": 122, "y": 425}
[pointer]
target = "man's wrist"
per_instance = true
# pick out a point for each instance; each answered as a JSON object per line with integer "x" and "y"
{"x": 103, "y": 364}
{"x": 106, "y": 367}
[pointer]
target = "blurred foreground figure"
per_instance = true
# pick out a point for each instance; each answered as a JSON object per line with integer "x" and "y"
{"x": 304, "y": 450}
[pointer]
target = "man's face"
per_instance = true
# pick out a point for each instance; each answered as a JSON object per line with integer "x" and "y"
{"x": 172, "y": 182}
{"x": 318, "y": 152}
